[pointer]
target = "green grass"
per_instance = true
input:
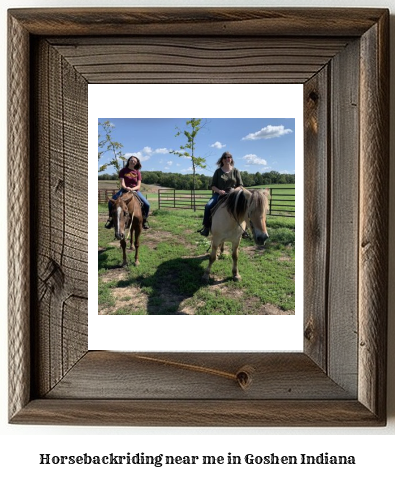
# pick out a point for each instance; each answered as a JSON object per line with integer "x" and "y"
{"x": 173, "y": 257}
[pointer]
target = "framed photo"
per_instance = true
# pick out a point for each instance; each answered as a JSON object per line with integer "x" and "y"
{"x": 341, "y": 56}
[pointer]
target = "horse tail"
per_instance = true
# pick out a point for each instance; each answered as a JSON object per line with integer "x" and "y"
{"x": 236, "y": 204}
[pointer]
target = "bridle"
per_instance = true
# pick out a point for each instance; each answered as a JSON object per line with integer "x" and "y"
{"x": 127, "y": 215}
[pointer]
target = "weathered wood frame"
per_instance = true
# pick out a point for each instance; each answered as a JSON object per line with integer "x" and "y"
{"x": 342, "y": 57}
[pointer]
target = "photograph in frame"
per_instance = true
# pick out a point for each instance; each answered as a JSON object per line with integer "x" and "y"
{"x": 155, "y": 138}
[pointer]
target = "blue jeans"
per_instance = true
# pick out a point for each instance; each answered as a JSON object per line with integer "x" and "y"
{"x": 207, "y": 210}
{"x": 146, "y": 204}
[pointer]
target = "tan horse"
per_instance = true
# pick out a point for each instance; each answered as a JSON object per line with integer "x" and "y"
{"x": 229, "y": 223}
{"x": 128, "y": 219}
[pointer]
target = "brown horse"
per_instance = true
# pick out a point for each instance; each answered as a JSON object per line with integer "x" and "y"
{"x": 127, "y": 219}
{"x": 229, "y": 223}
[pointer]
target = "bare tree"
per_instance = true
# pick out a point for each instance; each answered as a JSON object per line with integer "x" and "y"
{"x": 108, "y": 145}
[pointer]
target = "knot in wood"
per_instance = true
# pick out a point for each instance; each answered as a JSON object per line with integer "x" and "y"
{"x": 244, "y": 376}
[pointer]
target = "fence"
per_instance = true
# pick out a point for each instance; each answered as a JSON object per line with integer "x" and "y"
{"x": 105, "y": 194}
{"x": 282, "y": 200}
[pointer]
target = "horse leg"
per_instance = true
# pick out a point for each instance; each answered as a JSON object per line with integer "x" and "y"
{"x": 136, "y": 246}
{"x": 131, "y": 240}
{"x": 221, "y": 249}
{"x": 123, "y": 245}
{"x": 213, "y": 257}
{"x": 235, "y": 255}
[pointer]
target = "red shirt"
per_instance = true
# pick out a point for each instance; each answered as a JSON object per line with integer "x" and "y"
{"x": 131, "y": 177}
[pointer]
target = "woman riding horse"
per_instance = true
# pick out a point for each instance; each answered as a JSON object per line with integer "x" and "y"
{"x": 130, "y": 177}
{"x": 226, "y": 178}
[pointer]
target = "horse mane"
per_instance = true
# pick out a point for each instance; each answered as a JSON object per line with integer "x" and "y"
{"x": 127, "y": 197}
{"x": 237, "y": 203}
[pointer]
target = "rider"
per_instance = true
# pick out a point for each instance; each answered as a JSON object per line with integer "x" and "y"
{"x": 226, "y": 178}
{"x": 130, "y": 177}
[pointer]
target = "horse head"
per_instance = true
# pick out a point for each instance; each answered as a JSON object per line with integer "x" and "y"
{"x": 120, "y": 215}
{"x": 257, "y": 210}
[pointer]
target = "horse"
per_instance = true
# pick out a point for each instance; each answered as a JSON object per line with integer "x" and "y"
{"x": 229, "y": 223}
{"x": 127, "y": 218}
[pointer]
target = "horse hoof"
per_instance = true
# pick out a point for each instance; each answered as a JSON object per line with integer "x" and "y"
{"x": 205, "y": 278}
{"x": 137, "y": 263}
{"x": 237, "y": 278}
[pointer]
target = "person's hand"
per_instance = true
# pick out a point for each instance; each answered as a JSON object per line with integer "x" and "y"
{"x": 221, "y": 192}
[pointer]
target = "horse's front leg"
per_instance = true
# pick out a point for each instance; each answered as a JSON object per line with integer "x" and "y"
{"x": 235, "y": 256}
{"x": 213, "y": 257}
{"x": 123, "y": 245}
{"x": 131, "y": 248}
{"x": 137, "y": 233}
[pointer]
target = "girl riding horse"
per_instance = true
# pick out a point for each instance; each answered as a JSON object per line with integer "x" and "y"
{"x": 130, "y": 177}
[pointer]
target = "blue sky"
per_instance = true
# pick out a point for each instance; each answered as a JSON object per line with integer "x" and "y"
{"x": 256, "y": 144}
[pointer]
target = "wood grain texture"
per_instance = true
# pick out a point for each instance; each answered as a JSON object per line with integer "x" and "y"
{"x": 255, "y": 22}
{"x": 18, "y": 213}
{"x": 196, "y": 375}
{"x": 202, "y": 413}
{"x": 373, "y": 240}
{"x": 335, "y": 381}
{"x": 208, "y": 59}
{"x": 316, "y": 214}
{"x": 344, "y": 216}
{"x": 61, "y": 235}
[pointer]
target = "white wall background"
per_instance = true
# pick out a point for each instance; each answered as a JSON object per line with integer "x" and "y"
{"x": 373, "y": 448}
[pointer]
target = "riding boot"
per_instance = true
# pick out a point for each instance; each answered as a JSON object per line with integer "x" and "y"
{"x": 205, "y": 231}
{"x": 145, "y": 223}
{"x": 109, "y": 224}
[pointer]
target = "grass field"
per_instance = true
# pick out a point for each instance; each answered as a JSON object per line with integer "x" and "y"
{"x": 173, "y": 257}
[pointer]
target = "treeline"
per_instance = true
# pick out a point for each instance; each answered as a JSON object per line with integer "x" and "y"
{"x": 185, "y": 181}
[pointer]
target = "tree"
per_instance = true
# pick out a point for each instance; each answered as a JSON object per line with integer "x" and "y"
{"x": 247, "y": 179}
{"x": 108, "y": 145}
{"x": 188, "y": 150}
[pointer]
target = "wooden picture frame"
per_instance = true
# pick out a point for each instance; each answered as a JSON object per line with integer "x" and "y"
{"x": 342, "y": 58}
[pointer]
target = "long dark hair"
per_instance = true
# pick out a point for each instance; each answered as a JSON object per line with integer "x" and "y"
{"x": 220, "y": 162}
{"x": 138, "y": 164}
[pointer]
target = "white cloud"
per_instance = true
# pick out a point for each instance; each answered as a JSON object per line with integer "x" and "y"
{"x": 169, "y": 163}
{"x": 218, "y": 145}
{"x": 143, "y": 155}
{"x": 146, "y": 153}
{"x": 268, "y": 132}
{"x": 254, "y": 159}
